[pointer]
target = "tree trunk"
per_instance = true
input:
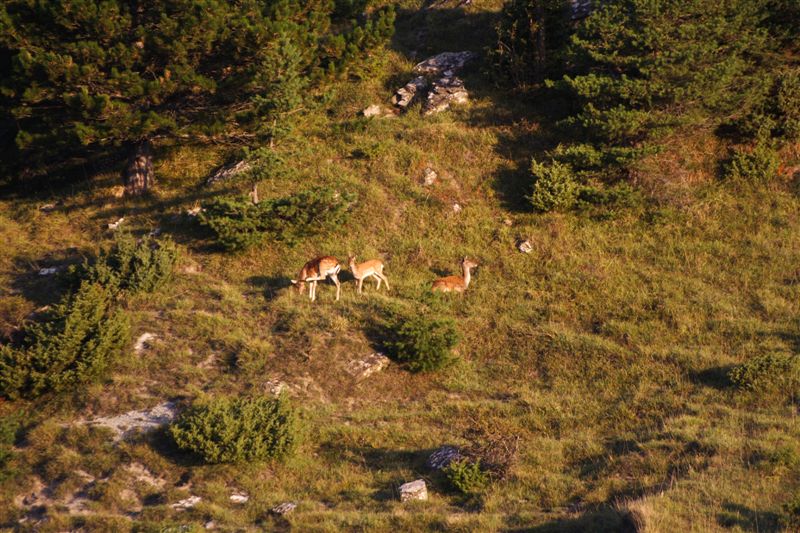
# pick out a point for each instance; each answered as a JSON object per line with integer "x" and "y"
{"x": 138, "y": 176}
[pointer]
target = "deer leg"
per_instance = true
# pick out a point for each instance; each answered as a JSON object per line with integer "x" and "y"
{"x": 335, "y": 279}
{"x": 360, "y": 284}
{"x": 312, "y": 291}
{"x": 376, "y": 276}
{"x": 385, "y": 280}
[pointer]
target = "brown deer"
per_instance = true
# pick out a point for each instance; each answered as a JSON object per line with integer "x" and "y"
{"x": 372, "y": 268}
{"x": 455, "y": 283}
{"x": 317, "y": 270}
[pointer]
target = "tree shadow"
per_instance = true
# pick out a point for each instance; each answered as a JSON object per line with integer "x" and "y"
{"x": 270, "y": 286}
{"x": 716, "y": 377}
{"x": 746, "y": 519}
{"x": 45, "y": 289}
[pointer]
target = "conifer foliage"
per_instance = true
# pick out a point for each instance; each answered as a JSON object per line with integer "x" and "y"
{"x": 85, "y": 73}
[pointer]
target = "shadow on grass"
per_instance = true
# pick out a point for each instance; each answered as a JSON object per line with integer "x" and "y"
{"x": 270, "y": 286}
{"x": 746, "y": 519}
{"x": 605, "y": 519}
{"x": 45, "y": 289}
{"x": 716, "y": 377}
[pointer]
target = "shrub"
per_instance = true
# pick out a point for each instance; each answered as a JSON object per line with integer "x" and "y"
{"x": 422, "y": 342}
{"x": 76, "y": 343}
{"x": 238, "y": 429}
{"x": 791, "y": 514}
{"x": 554, "y": 187}
{"x": 466, "y": 476}
{"x": 132, "y": 265}
{"x": 768, "y": 373}
{"x": 757, "y": 166}
{"x": 238, "y": 223}
{"x": 9, "y": 426}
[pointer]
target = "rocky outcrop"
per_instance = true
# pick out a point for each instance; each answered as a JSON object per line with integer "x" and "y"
{"x": 228, "y": 171}
{"x": 437, "y": 82}
{"x": 440, "y": 64}
{"x": 371, "y": 364}
{"x": 445, "y": 92}
{"x": 284, "y": 508}
{"x": 132, "y": 422}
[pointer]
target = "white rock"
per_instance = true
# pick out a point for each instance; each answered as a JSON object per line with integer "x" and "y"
{"x": 239, "y": 498}
{"x": 193, "y": 212}
{"x": 457, "y": 207}
{"x": 414, "y": 490}
{"x": 446, "y": 91}
{"x": 275, "y": 386}
{"x": 284, "y": 508}
{"x": 363, "y": 368}
{"x": 372, "y": 111}
{"x": 48, "y": 271}
{"x": 114, "y": 225}
{"x": 429, "y": 176}
{"x": 145, "y": 340}
{"x": 227, "y": 171}
{"x": 46, "y": 208}
{"x": 129, "y": 423}
{"x": 525, "y": 247}
{"x": 439, "y": 64}
{"x": 406, "y": 94}
{"x": 187, "y": 503}
{"x": 211, "y": 524}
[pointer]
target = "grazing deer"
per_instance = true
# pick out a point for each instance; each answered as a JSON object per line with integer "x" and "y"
{"x": 455, "y": 283}
{"x": 317, "y": 270}
{"x": 362, "y": 271}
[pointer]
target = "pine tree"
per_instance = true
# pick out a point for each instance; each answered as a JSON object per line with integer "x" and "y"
{"x": 123, "y": 73}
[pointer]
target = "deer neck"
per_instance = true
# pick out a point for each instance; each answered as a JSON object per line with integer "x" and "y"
{"x": 467, "y": 276}
{"x": 354, "y": 268}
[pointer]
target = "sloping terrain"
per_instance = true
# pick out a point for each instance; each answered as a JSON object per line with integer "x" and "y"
{"x": 597, "y": 363}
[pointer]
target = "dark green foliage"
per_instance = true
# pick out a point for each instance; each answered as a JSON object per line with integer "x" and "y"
{"x": 642, "y": 67}
{"x": 238, "y": 429}
{"x": 132, "y": 265}
{"x": 77, "y": 342}
{"x": 531, "y": 36}
{"x": 423, "y": 342}
{"x": 756, "y": 166}
{"x": 466, "y": 476}
{"x": 771, "y": 373}
{"x": 778, "y": 115}
{"x": 791, "y": 513}
{"x": 554, "y": 187}
{"x": 86, "y": 73}
{"x": 238, "y": 223}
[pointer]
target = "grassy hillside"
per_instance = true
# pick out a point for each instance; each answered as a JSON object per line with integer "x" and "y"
{"x": 599, "y": 361}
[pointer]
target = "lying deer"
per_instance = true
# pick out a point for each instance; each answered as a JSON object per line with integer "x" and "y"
{"x": 372, "y": 268}
{"x": 317, "y": 270}
{"x": 455, "y": 283}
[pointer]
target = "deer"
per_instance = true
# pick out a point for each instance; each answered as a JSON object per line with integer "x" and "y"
{"x": 455, "y": 283}
{"x": 372, "y": 268}
{"x": 317, "y": 270}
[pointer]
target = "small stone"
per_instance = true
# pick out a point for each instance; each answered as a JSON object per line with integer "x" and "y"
{"x": 525, "y": 247}
{"x": 275, "y": 387}
{"x": 371, "y": 364}
{"x": 239, "y": 498}
{"x": 372, "y": 111}
{"x": 145, "y": 340}
{"x": 443, "y": 457}
{"x": 186, "y": 503}
{"x": 284, "y": 508}
{"x": 457, "y": 207}
{"x": 46, "y": 208}
{"x": 211, "y": 524}
{"x": 193, "y": 212}
{"x": 114, "y": 225}
{"x": 48, "y": 271}
{"x": 414, "y": 490}
{"x": 429, "y": 176}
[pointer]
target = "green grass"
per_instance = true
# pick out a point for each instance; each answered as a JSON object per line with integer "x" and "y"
{"x": 604, "y": 351}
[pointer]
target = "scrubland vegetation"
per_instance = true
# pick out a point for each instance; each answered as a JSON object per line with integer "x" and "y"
{"x": 637, "y": 370}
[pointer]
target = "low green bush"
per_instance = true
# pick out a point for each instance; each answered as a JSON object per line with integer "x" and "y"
{"x": 422, "y": 342}
{"x": 238, "y": 429}
{"x": 466, "y": 476}
{"x": 791, "y": 514}
{"x": 78, "y": 340}
{"x": 758, "y": 166}
{"x": 237, "y": 223}
{"x": 771, "y": 373}
{"x": 554, "y": 187}
{"x": 131, "y": 265}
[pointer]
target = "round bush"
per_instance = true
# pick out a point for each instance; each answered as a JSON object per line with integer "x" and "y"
{"x": 758, "y": 166}
{"x": 466, "y": 476}
{"x": 423, "y": 343}
{"x": 554, "y": 187}
{"x": 238, "y": 429}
